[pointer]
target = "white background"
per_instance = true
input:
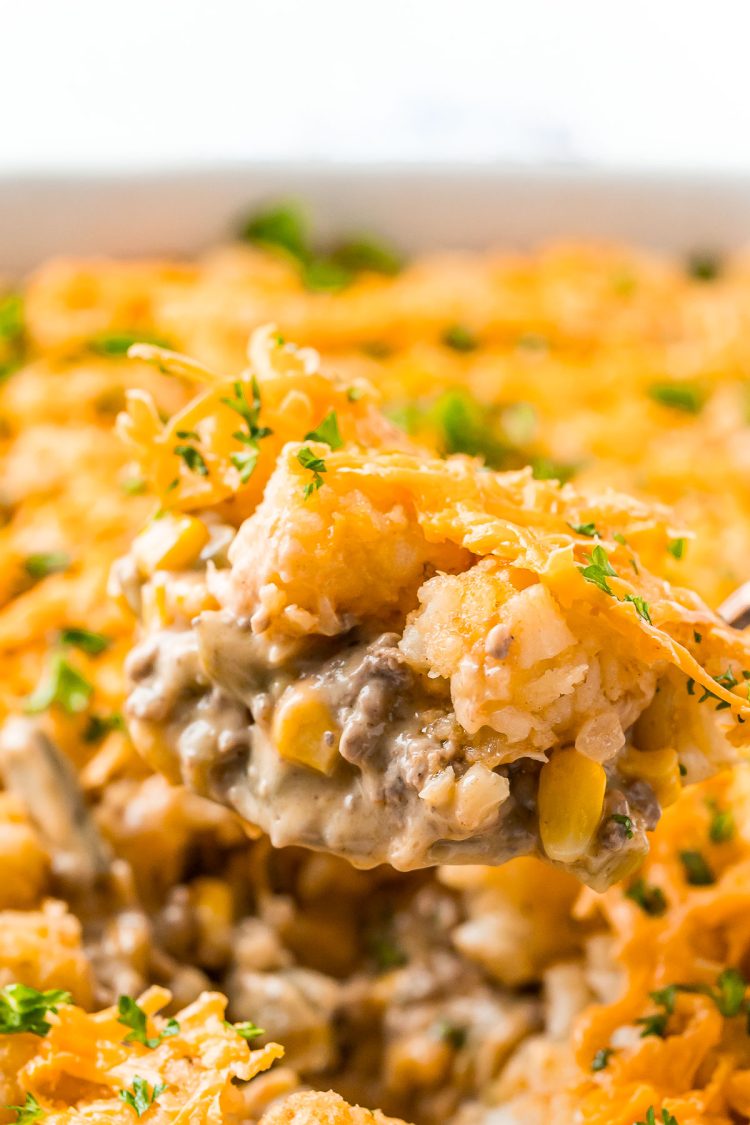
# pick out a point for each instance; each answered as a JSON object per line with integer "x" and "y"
{"x": 145, "y": 83}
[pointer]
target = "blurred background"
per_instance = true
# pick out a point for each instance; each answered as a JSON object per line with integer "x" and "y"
{"x": 153, "y": 83}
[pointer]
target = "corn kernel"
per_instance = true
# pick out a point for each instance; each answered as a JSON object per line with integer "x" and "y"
{"x": 660, "y": 768}
{"x": 571, "y": 796}
{"x": 170, "y": 543}
{"x": 304, "y": 731}
{"x": 154, "y": 613}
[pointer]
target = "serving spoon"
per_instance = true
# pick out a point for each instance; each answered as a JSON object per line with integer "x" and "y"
{"x": 736, "y": 608}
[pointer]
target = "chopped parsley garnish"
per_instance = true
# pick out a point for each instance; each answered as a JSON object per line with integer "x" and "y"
{"x": 327, "y": 431}
{"x": 28, "y": 1112}
{"x": 246, "y": 461}
{"x": 377, "y": 349}
{"x": 650, "y": 898}
{"x": 697, "y": 637}
{"x": 133, "y": 486}
{"x": 91, "y": 643}
{"x": 247, "y": 1029}
{"x": 44, "y": 563}
{"x": 11, "y": 317}
{"x": 599, "y": 570}
{"x": 625, "y": 822}
{"x": 466, "y": 426}
{"x": 588, "y": 529}
{"x": 656, "y": 1022}
{"x": 721, "y": 827}
{"x": 141, "y": 1097}
{"x": 666, "y": 1118}
{"x": 325, "y": 275}
{"x": 452, "y": 1034}
{"x": 98, "y": 726}
{"x": 641, "y": 606}
{"x": 188, "y": 435}
{"x": 729, "y": 994}
{"x": 284, "y": 228}
{"x": 63, "y": 686}
{"x": 117, "y": 343}
{"x": 354, "y": 394}
{"x": 460, "y": 338}
{"x": 620, "y": 538}
{"x": 545, "y": 468}
{"x": 687, "y": 397}
{"x": 383, "y": 945}
{"x": 193, "y": 458}
{"x": 388, "y": 955}
{"x": 676, "y": 547}
{"x": 12, "y": 334}
{"x": 697, "y": 871}
{"x": 316, "y": 465}
{"x": 703, "y": 266}
{"x": 130, "y": 1014}
{"x": 25, "y": 1009}
{"x": 281, "y": 227}
{"x": 367, "y": 255}
{"x": 601, "y": 1058}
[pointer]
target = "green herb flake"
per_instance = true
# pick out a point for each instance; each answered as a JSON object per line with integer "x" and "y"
{"x": 246, "y": 1030}
{"x": 466, "y": 426}
{"x": 282, "y": 228}
{"x": 704, "y": 266}
{"x": 460, "y": 338}
{"x": 365, "y": 254}
{"x": 587, "y": 529}
{"x": 118, "y": 343}
{"x": 354, "y": 394}
{"x": 666, "y": 1118}
{"x": 697, "y": 870}
{"x": 721, "y": 827}
{"x": 598, "y": 570}
{"x": 325, "y": 275}
{"x": 99, "y": 726}
{"x": 62, "y": 686}
{"x": 316, "y": 465}
{"x": 697, "y": 637}
{"x": 193, "y": 458}
{"x": 387, "y": 954}
{"x": 28, "y": 1112}
{"x": 133, "y": 486}
{"x": 546, "y": 468}
{"x": 601, "y": 1059}
{"x": 641, "y": 606}
{"x": 451, "y": 1033}
{"x": 656, "y": 1022}
{"x": 729, "y": 995}
{"x": 11, "y": 317}
{"x": 130, "y": 1014}
{"x": 25, "y": 1009}
{"x": 676, "y": 548}
{"x": 625, "y": 822}
{"x": 686, "y": 397}
{"x": 650, "y": 898}
{"x": 247, "y": 459}
{"x": 44, "y": 563}
{"x": 93, "y": 644}
{"x": 141, "y": 1097}
{"x": 620, "y": 538}
{"x": 327, "y": 431}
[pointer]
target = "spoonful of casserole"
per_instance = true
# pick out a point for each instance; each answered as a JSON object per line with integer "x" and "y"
{"x": 394, "y": 657}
